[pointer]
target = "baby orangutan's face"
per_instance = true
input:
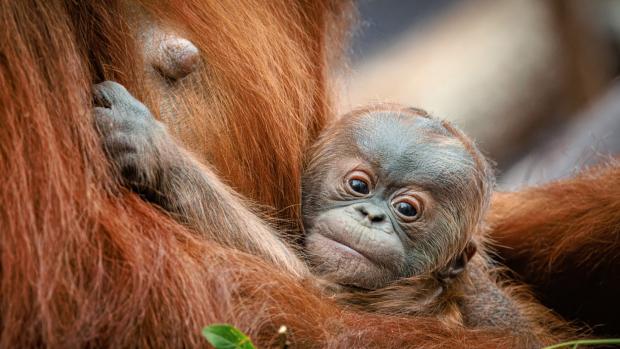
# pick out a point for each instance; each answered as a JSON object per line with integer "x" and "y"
{"x": 385, "y": 197}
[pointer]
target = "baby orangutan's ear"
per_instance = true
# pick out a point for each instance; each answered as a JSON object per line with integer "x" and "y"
{"x": 458, "y": 264}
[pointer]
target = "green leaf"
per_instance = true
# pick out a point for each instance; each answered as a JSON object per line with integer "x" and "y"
{"x": 224, "y": 336}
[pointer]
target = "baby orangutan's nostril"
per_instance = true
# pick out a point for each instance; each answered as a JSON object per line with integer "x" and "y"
{"x": 377, "y": 217}
{"x": 373, "y": 214}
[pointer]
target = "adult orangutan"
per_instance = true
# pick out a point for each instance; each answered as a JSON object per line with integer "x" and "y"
{"x": 84, "y": 262}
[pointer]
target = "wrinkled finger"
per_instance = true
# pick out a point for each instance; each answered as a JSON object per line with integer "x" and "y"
{"x": 112, "y": 93}
{"x": 100, "y": 98}
{"x": 120, "y": 143}
{"x": 104, "y": 120}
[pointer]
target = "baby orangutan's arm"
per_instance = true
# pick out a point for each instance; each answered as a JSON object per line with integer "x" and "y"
{"x": 154, "y": 165}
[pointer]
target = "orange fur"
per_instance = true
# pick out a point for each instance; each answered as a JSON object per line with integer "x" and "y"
{"x": 566, "y": 236}
{"x": 282, "y": 69}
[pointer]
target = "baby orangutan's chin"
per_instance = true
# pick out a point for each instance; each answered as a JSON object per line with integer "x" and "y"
{"x": 343, "y": 251}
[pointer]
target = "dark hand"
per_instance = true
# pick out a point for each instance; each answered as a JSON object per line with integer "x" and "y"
{"x": 132, "y": 139}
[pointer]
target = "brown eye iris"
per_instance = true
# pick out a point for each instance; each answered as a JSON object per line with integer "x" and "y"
{"x": 359, "y": 186}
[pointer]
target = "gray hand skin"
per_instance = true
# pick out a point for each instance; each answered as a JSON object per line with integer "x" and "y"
{"x": 133, "y": 140}
{"x": 151, "y": 163}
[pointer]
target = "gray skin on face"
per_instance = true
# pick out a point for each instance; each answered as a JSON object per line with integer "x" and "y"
{"x": 361, "y": 240}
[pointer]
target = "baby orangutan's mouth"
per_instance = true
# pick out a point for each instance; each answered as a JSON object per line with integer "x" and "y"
{"x": 341, "y": 264}
{"x": 342, "y": 238}
{"x": 348, "y": 253}
{"x": 344, "y": 247}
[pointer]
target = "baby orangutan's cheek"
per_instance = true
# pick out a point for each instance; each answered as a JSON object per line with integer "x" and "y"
{"x": 344, "y": 251}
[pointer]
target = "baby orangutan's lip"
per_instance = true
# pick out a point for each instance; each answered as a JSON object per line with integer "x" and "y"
{"x": 342, "y": 242}
{"x": 342, "y": 246}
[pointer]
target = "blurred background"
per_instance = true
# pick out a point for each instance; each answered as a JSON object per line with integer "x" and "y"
{"x": 533, "y": 82}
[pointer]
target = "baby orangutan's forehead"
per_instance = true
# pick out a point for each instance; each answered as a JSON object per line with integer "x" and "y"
{"x": 405, "y": 149}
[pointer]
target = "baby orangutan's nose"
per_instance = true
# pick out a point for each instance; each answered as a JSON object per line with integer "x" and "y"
{"x": 373, "y": 213}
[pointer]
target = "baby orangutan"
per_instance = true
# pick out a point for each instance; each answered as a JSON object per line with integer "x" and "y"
{"x": 390, "y": 193}
{"x": 393, "y": 207}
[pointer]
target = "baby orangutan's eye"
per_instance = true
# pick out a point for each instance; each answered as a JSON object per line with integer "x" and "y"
{"x": 407, "y": 208}
{"x": 358, "y": 183}
{"x": 359, "y": 186}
